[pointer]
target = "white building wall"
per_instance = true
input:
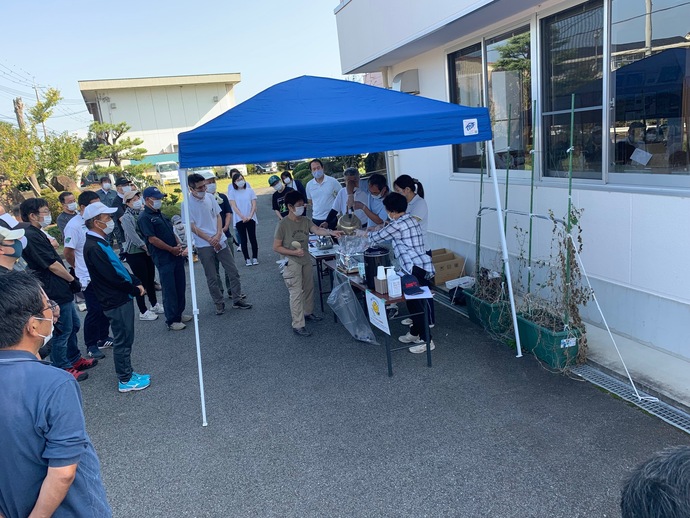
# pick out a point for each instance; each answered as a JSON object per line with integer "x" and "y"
{"x": 158, "y": 114}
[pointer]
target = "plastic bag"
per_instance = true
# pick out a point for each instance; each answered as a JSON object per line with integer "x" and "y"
{"x": 347, "y": 308}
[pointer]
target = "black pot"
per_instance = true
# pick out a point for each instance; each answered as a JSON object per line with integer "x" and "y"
{"x": 373, "y": 258}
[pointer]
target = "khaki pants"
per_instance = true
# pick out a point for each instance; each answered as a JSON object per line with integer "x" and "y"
{"x": 299, "y": 279}
{"x": 209, "y": 258}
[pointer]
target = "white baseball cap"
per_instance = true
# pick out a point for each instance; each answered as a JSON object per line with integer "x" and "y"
{"x": 96, "y": 209}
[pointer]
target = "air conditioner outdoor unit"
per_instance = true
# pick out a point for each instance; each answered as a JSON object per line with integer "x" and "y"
{"x": 407, "y": 82}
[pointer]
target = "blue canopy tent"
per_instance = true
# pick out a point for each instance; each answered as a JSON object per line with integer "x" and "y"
{"x": 313, "y": 117}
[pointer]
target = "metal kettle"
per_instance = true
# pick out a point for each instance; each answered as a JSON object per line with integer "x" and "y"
{"x": 349, "y": 223}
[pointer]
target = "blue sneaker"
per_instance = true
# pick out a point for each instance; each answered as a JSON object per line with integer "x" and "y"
{"x": 95, "y": 352}
{"x": 134, "y": 384}
{"x": 141, "y": 376}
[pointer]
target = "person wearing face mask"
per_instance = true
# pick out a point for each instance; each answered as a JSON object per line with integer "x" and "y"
{"x": 55, "y": 470}
{"x": 60, "y": 286}
{"x": 243, "y": 202}
{"x": 374, "y": 209}
{"x": 106, "y": 192}
{"x": 69, "y": 210}
{"x": 298, "y": 272}
{"x": 168, "y": 255}
{"x": 123, "y": 186}
{"x": 321, "y": 193}
{"x": 138, "y": 257}
{"x": 278, "y": 199}
{"x": 212, "y": 244}
{"x": 115, "y": 288}
{"x": 347, "y": 197}
{"x": 10, "y": 246}
{"x": 96, "y": 325}
{"x": 293, "y": 183}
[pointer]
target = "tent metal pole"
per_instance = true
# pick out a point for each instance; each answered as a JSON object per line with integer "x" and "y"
{"x": 504, "y": 245}
{"x": 192, "y": 281}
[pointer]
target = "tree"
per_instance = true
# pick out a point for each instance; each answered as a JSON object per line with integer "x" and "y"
{"x": 17, "y": 156}
{"x": 106, "y": 141}
{"x": 59, "y": 154}
{"x": 43, "y": 110}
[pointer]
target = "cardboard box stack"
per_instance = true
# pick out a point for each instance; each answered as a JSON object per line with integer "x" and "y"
{"x": 448, "y": 264}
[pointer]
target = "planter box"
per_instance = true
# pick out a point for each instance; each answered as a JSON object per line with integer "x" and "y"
{"x": 494, "y": 317}
{"x": 557, "y": 349}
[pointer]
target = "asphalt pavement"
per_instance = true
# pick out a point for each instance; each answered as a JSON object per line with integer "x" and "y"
{"x": 306, "y": 427}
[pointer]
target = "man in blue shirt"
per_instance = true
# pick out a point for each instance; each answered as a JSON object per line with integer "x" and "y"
{"x": 54, "y": 467}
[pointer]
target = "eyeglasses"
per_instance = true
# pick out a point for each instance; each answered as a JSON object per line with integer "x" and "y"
{"x": 52, "y": 305}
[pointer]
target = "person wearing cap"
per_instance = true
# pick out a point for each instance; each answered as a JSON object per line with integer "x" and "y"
{"x": 168, "y": 255}
{"x": 49, "y": 465}
{"x": 69, "y": 210}
{"x": 106, "y": 193}
{"x": 212, "y": 244}
{"x": 408, "y": 244}
{"x": 60, "y": 286}
{"x": 96, "y": 324}
{"x": 279, "y": 205}
{"x": 10, "y": 246}
{"x": 346, "y": 199}
{"x": 137, "y": 256}
{"x": 115, "y": 289}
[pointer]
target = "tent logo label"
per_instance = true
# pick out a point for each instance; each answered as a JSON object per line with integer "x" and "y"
{"x": 470, "y": 127}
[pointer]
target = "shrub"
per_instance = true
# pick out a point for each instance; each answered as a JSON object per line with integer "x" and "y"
{"x": 54, "y": 231}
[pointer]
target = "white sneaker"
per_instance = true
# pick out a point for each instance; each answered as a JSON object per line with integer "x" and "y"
{"x": 81, "y": 306}
{"x": 410, "y": 339}
{"x": 255, "y": 261}
{"x": 239, "y": 248}
{"x": 158, "y": 309}
{"x": 177, "y": 326}
{"x": 406, "y": 322}
{"x": 186, "y": 318}
{"x": 248, "y": 262}
{"x": 149, "y": 315}
{"x": 421, "y": 348}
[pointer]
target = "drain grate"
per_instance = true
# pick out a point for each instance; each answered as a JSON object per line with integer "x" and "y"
{"x": 662, "y": 410}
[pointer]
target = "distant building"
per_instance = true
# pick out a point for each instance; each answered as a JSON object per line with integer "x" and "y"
{"x": 159, "y": 108}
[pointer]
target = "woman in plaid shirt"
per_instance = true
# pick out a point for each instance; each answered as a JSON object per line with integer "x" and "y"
{"x": 408, "y": 244}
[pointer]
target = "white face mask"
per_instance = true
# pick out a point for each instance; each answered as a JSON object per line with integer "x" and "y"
{"x": 287, "y": 181}
{"x": 179, "y": 226}
{"x": 46, "y": 220}
{"x": 109, "y": 227}
{"x": 240, "y": 183}
{"x": 211, "y": 188}
{"x": 46, "y": 338}
{"x": 318, "y": 173}
{"x": 299, "y": 211}
{"x": 72, "y": 206}
{"x": 278, "y": 186}
{"x": 126, "y": 189}
{"x": 106, "y": 186}
{"x": 137, "y": 205}
{"x": 157, "y": 204}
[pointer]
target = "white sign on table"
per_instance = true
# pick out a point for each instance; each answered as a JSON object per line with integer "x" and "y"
{"x": 377, "y": 312}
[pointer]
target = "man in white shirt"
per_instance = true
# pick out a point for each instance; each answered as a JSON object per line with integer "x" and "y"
{"x": 321, "y": 193}
{"x": 96, "y": 324}
{"x": 211, "y": 244}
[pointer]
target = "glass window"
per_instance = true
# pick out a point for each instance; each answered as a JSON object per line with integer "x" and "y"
{"x": 510, "y": 98}
{"x": 573, "y": 64}
{"x": 467, "y": 89}
{"x": 650, "y": 75}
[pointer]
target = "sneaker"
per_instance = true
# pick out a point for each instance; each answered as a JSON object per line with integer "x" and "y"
{"x": 392, "y": 310}
{"x": 78, "y": 375}
{"x": 410, "y": 339}
{"x": 149, "y": 315}
{"x": 105, "y": 344}
{"x": 141, "y": 376}
{"x": 240, "y": 304}
{"x": 242, "y": 296}
{"x": 220, "y": 308}
{"x": 134, "y": 383}
{"x": 95, "y": 352}
{"x": 248, "y": 262}
{"x": 158, "y": 287}
{"x": 81, "y": 306}
{"x": 239, "y": 248}
{"x": 406, "y": 322}
{"x": 301, "y": 331}
{"x": 312, "y": 317}
{"x": 177, "y": 326}
{"x": 83, "y": 363}
{"x": 158, "y": 309}
{"x": 255, "y": 261}
{"x": 186, "y": 318}
{"x": 421, "y": 348}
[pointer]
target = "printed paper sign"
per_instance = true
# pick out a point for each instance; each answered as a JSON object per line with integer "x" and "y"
{"x": 641, "y": 156}
{"x": 377, "y": 312}
{"x": 470, "y": 127}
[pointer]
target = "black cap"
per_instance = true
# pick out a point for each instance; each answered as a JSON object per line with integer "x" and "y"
{"x": 410, "y": 285}
{"x": 122, "y": 181}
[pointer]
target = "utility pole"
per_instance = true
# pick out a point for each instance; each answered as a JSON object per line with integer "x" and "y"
{"x": 19, "y": 112}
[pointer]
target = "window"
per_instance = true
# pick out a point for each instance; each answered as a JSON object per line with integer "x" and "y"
{"x": 467, "y": 89}
{"x": 572, "y": 55}
{"x": 649, "y": 77}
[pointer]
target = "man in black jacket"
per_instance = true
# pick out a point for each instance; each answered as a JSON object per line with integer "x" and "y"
{"x": 115, "y": 289}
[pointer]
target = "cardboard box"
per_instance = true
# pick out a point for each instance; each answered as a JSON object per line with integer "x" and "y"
{"x": 448, "y": 265}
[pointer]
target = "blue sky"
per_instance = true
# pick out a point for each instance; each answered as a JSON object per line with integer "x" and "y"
{"x": 266, "y": 41}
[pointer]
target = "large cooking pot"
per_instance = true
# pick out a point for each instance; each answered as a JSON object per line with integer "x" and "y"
{"x": 373, "y": 258}
{"x": 349, "y": 223}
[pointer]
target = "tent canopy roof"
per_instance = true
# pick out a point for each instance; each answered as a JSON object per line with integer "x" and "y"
{"x": 315, "y": 116}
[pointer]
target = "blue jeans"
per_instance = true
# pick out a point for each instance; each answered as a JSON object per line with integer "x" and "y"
{"x": 174, "y": 285}
{"x": 96, "y": 325}
{"x": 65, "y": 350}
